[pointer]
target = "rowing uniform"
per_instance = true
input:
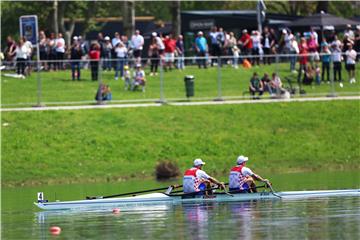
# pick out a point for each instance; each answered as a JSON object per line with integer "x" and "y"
{"x": 193, "y": 180}
{"x": 238, "y": 177}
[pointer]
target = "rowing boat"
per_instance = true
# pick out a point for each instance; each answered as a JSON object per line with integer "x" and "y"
{"x": 155, "y": 199}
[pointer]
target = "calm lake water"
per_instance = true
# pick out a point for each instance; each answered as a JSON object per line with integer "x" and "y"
{"x": 316, "y": 218}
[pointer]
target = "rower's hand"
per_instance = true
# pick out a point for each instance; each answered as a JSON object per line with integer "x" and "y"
{"x": 222, "y": 185}
{"x": 268, "y": 183}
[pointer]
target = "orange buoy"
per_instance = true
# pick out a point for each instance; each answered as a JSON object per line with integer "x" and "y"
{"x": 116, "y": 210}
{"x": 55, "y": 230}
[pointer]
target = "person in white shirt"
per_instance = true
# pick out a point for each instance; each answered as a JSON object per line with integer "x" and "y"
{"x": 350, "y": 63}
{"x": 197, "y": 181}
{"x": 120, "y": 52}
{"x": 294, "y": 50}
{"x": 242, "y": 179}
{"x": 60, "y": 51}
{"x": 256, "y": 40}
{"x": 336, "y": 58}
{"x": 21, "y": 54}
{"x": 139, "y": 78}
{"x": 137, "y": 42}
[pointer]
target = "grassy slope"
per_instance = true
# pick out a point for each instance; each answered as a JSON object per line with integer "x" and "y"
{"x": 64, "y": 146}
{"x": 58, "y": 87}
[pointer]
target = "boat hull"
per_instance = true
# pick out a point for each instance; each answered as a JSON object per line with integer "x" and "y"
{"x": 154, "y": 200}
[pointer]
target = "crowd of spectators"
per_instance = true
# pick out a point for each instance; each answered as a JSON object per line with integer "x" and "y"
{"x": 218, "y": 47}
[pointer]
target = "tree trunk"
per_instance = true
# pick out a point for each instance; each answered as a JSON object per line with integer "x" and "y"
{"x": 176, "y": 19}
{"x": 67, "y": 32}
{"x": 55, "y": 15}
{"x": 322, "y": 6}
{"x": 129, "y": 17}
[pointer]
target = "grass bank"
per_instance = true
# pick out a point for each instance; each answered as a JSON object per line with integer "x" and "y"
{"x": 58, "y": 88}
{"x": 112, "y": 144}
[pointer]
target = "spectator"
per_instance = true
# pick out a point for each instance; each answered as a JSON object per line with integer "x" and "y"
{"x": 303, "y": 58}
{"x": 180, "y": 49}
{"x": 139, "y": 78}
{"x": 107, "y": 47}
{"x": 127, "y": 44}
{"x": 236, "y": 52}
{"x": 127, "y": 77}
{"x": 265, "y": 80}
{"x": 256, "y": 86}
{"x": 85, "y": 50}
{"x": 43, "y": 45}
{"x": 349, "y": 32}
{"x": 29, "y": 51}
{"x": 52, "y": 52}
{"x": 101, "y": 42}
{"x": 346, "y": 43}
{"x": 309, "y": 75}
{"x": 154, "y": 55}
{"x": 276, "y": 85}
{"x": 114, "y": 42}
{"x": 10, "y": 50}
{"x": 357, "y": 41}
{"x": 60, "y": 51}
{"x": 350, "y": 63}
{"x": 312, "y": 48}
{"x": 104, "y": 92}
{"x": 314, "y": 35}
{"x": 336, "y": 59}
{"x": 325, "y": 59}
{"x": 246, "y": 42}
{"x": 267, "y": 42}
{"x": 75, "y": 54}
{"x": 137, "y": 42}
{"x": 94, "y": 61}
{"x": 21, "y": 53}
{"x": 256, "y": 41}
{"x": 170, "y": 47}
{"x": 215, "y": 41}
{"x": 201, "y": 48}
{"x": 231, "y": 43}
{"x": 121, "y": 52}
{"x": 294, "y": 50}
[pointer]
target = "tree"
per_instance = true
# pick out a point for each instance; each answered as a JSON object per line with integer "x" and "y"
{"x": 176, "y": 19}
{"x": 129, "y": 17}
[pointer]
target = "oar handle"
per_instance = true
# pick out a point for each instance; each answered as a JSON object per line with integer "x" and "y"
{"x": 268, "y": 184}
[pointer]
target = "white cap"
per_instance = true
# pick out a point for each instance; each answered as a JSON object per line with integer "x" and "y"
{"x": 198, "y": 162}
{"x": 107, "y": 38}
{"x": 284, "y": 31}
{"x": 244, "y": 31}
{"x": 75, "y": 38}
{"x": 348, "y": 25}
{"x": 358, "y": 27}
{"x": 241, "y": 159}
{"x": 200, "y": 33}
{"x": 138, "y": 65}
{"x": 154, "y": 34}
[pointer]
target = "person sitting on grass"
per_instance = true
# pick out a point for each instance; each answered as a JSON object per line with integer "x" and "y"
{"x": 197, "y": 181}
{"x": 242, "y": 179}
{"x": 276, "y": 85}
{"x": 256, "y": 86}
{"x": 266, "y": 83}
{"x": 103, "y": 93}
{"x": 309, "y": 75}
{"x": 127, "y": 77}
{"x": 139, "y": 78}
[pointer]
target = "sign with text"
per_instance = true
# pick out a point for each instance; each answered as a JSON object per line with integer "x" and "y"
{"x": 202, "y": 24}
{"x": 29, "y": 28}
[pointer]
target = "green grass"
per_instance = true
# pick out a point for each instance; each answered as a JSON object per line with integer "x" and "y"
{"x": 58, "y": 88}
{"x": 110, "y": 144}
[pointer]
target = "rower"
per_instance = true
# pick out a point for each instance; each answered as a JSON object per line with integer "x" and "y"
{"x": 197, "y": 181}
{"x": 242, "y": 179}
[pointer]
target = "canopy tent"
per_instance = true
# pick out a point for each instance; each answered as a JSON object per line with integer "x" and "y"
{"x": 322, "y": 19}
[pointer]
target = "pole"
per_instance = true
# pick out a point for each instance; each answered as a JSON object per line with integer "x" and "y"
{"x": 162, "y": 98}
{"x": 258, "y": 15}
{"x": 219, "y": 97}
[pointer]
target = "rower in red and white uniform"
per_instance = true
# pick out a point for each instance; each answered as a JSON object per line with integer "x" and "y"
{"x": 197, "y": 180}
{"x": 242, "y": 178}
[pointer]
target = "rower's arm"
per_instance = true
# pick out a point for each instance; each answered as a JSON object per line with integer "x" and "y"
{"x": 259, "y": 178}
{"x": 214, "y": 180}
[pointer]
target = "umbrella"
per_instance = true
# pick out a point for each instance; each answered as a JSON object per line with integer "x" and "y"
{"x": 321, "y": 19}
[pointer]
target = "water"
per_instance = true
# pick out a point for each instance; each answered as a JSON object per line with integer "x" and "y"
{"x": 317, "y": 218}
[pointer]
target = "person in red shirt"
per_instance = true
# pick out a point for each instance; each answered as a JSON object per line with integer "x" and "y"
{"x": 170, "y": 47}
{"x": 303, "y": 59}
{"x": 246, "y": 42}
{"x": 94, "y": 61}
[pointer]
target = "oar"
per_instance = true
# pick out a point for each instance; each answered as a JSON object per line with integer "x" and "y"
{"x": 271, "y": 189}
{"x": 133, "y": 193}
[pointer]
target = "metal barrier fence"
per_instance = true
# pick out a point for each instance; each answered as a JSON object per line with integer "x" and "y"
{"x": 83, "y": 81}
